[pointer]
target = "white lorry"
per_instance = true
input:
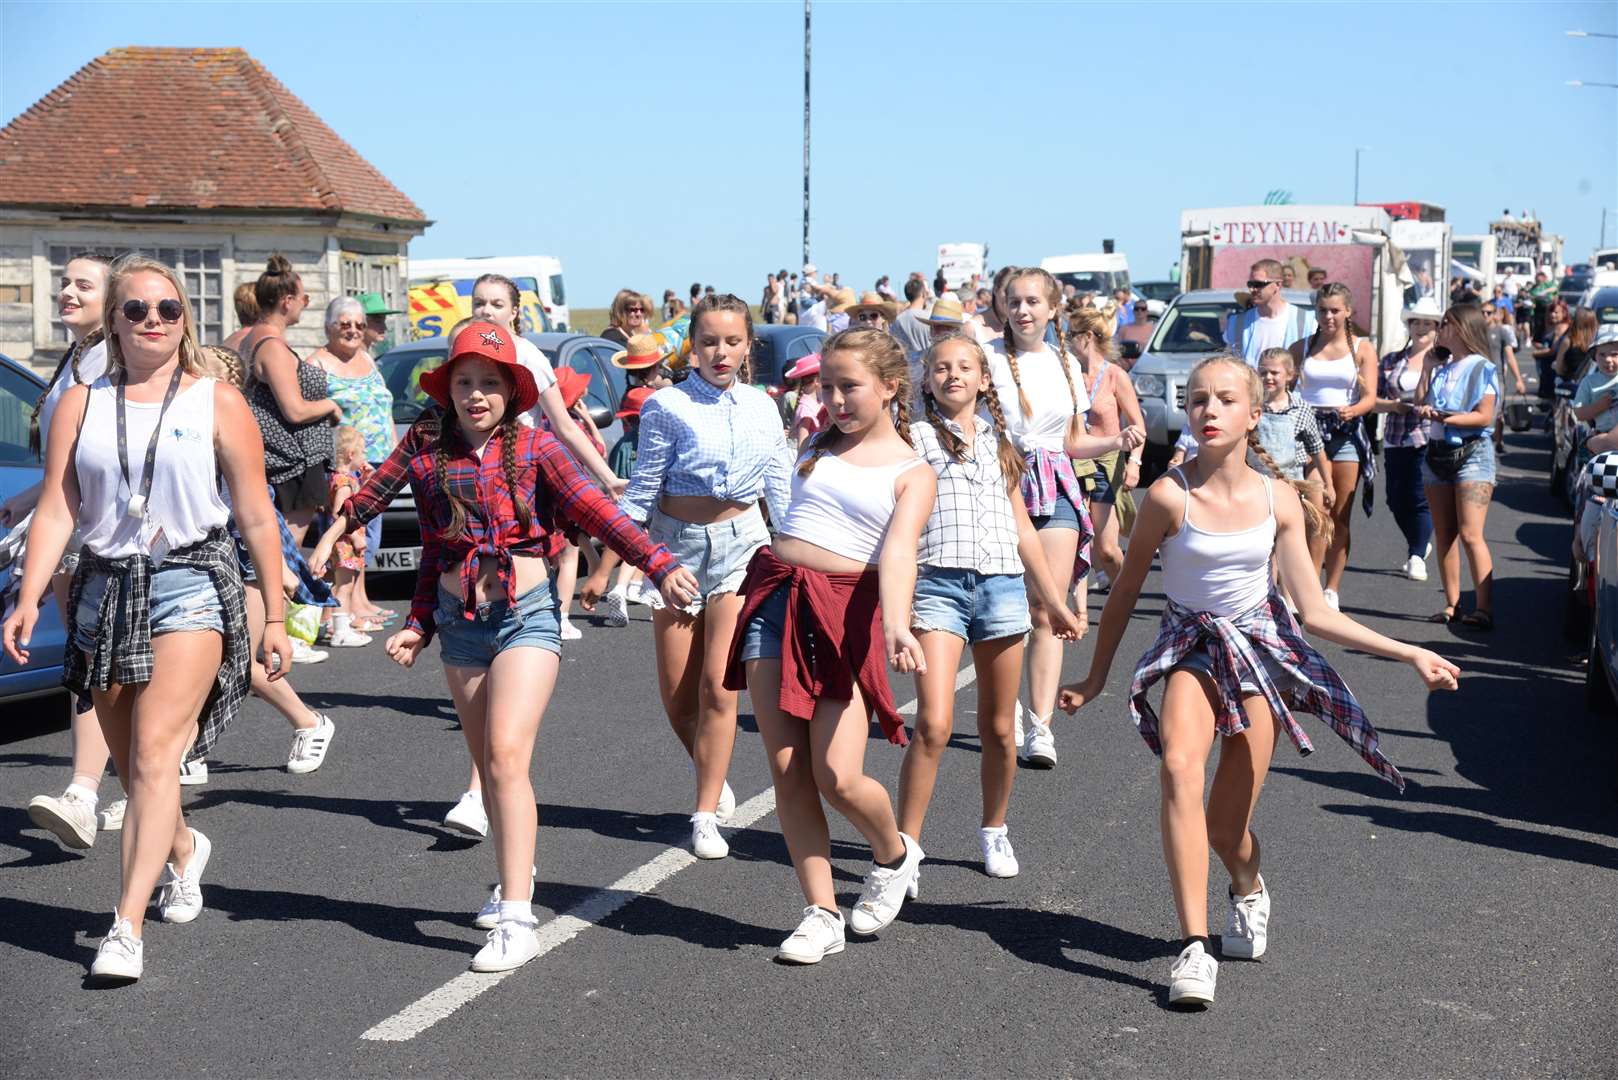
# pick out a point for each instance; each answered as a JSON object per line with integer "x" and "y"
{"x": 1353, "y": 244}
{"x": 1097, "y": 273}
{"x": 963, "y": 264}
{"x": 545, "y": 270}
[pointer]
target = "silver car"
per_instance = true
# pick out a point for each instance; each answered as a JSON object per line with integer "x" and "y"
{"x": 1192, "y": 328}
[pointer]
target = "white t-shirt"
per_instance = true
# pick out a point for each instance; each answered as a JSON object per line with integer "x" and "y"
{"x": 1270, "y": 332}
{"x": 92, "y": 365}
{"x": 1049, "y": 398}
{"x": 544, "y": 376}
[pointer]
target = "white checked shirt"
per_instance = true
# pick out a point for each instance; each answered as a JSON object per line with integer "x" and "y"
{"x": 696, "y": 439}
{"x": 972, "y": 526}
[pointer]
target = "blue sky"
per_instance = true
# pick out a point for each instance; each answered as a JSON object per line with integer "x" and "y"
{"x": 651, "y": 145}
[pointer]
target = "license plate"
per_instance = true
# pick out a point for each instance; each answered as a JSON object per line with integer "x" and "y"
{"x": 398, "y": 558}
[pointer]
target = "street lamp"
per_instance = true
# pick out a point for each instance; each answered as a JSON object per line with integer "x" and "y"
{"x": 1358, "y": 150}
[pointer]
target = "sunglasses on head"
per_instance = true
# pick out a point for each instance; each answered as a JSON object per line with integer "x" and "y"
{"x": 1255, "y": 284}
{"x": 169, "y": 311}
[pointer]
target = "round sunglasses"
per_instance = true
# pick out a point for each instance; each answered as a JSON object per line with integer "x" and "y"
{"x": 169, "y": 311}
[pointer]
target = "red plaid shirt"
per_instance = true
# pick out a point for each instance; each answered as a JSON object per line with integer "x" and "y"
{"x": 548, "y": 477}
{"x": 1235, "y": 644}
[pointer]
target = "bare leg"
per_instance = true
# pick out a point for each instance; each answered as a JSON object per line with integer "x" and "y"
{"x": 1345, "y": 476}
{"x": 90, "y": 753}
{"x": 999, "y": 667}
{"x": 467, "y": 687}
{"x": 1061, "y": 546}
{"x": 298, "y": 523}
{"x": 1109, "y": 553}
{"x": 516, "y": 691}
{"x": 797, "y": 799}
{"x": 567, "y": 576}
{"x": 1244, "y": 761}
{"x": 837, "y": 737}
{"x": 675, "y": 635}
{"x": 935, "y": 716}
{"x": 716, "y": 707}
{"x": 1187, "y": 732}
{"x": 1441, "y": 503}
{"x": 279, "y": 694}
{"x": 1472, "y": 508}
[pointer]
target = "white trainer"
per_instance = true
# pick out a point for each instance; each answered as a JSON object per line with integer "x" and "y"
{"x": 999, "y": 860}
{"x": 1192, "y": 977}
{"x": 818, "y": 936}
{"x": 511, "y": 944}
{"x": 179, "y": 896}
{"x": 1332, "y": 600}
{"x": 488, "y": 916}
{"x": 884, "y": 891}
{"x": 110, "y": 818}
{"x": 639, "y": 594}
{"x": 615, "y": 609}
{"x": 309, "y": 746}
{"x": 569, "y": 631}
{"x": 1039, "y": 748}
{"x": 348, "y": 638}
{"x": 193, "y": 773}
{"x": 1416, "y": 568}
{"x": 304, "y": 653}
{"x": 1247, "y": 933}
{"x": 120, "y": 956}
{"x": 706, "y": 843}
{"x": 467, "y": 816}
{"x": 727, "y": 804}
{"x": 68, "y": 816}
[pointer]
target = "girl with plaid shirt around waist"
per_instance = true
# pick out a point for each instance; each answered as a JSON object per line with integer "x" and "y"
{"x": 492, "y": 495}
{"x": 970, "y": 589}
{"x": 1233, "y": 660}
{"x": 157, "y": 626}
{"x": 1042, "y": 389}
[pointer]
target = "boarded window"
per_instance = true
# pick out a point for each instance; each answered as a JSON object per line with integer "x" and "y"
{"x": 199, "y": 268}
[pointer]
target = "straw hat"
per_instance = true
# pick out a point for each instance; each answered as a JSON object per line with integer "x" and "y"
{"x": 491, "y": 342}
{"x": 641, "y": 351}
{"x": 870, "y": 301}
{"x": 946, "y": 311}
{"x": 839, "y": 300}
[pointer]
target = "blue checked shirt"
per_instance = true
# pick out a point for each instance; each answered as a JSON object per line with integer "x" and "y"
{"x": 696, "y": 439}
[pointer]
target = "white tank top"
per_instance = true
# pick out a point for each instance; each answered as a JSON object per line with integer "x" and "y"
{"x": 185, "y": 498}
{"x": 1328, "y": 384}
{"x": 1223, "y": 574}
{"x": 845, "y": 508}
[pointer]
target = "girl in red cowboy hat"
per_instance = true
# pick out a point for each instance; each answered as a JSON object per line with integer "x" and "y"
{"x": 483, "y": 586}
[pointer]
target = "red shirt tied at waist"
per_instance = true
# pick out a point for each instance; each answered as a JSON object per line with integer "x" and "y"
{"x": 842, "y": 614}
{"x": 557, "y": 492}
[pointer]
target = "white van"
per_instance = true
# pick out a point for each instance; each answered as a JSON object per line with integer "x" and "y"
{"x": 1098, "y": 274}
{"x": 544, "y": 269}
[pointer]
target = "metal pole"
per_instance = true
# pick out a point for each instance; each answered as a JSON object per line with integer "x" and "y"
{"x": 806, "y": 4}
{"x": 1356, "y": 176}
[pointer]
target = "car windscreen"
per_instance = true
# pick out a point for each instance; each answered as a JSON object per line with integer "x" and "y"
{"x": 1158, "y": 290}
{"x": 17, "y": 397}
{"x": 402, "y": 370}
{"x": 1100, "y": 282}
{"x": 1605, "y": 305}
{"x": 1191, "y": 328}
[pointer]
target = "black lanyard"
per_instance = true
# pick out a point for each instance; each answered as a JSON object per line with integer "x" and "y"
{"x": 137, "y": 503}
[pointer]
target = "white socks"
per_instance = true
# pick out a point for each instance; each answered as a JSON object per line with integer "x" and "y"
{"x": 85, "y": 794}
{"x": 517, "y": 911}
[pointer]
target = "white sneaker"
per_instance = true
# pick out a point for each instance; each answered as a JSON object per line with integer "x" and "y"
{"x": 193, "y": 773}
{"x": 884, "y": 891}
{"x": 488, "y": 916}
{"x": 727, "y": 804}
{"x": 1102, "y": 583}
{"x": 639, "y": 594}
{"x": 569, "y": 631}
{"x": 1247, "y": 933}
{"x": 1415, "y": 568}
{"x": 309, "y": 746}
{"x": 1331, "y": 598}
{"x": 119, "y": 959}
{"x": 467, "y": 816}
{"x": 706, "y": 842}
{"x": 348, "y": 639}
{"x": 68, "y": 816}
{"x": 304, "y": 653}
{"x": 511, "y": 944}
{"x": 179, "y": 896}
{"x": 615, "y": 609}
{"x": 111, "y": 817}
{"x": 819, "y": 935}
{"x": 1192, "y": 977}
{"x": 1016, "y": 727}
{"x": 1039, "y": 749}
{"x": 999, "y": 860}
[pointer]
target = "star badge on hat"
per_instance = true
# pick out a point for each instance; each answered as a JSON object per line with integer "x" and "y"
{"x": 491, "y": 339}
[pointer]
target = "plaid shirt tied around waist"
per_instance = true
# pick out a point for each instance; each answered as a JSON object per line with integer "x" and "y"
{"x": 1235, "y": 644}
{"x": 556, "y": 489}
{"x": 123, "y": 630}
{"x": 1045, "y": 475}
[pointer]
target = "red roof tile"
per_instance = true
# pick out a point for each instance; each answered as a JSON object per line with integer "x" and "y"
{"x": 186, "y": 128}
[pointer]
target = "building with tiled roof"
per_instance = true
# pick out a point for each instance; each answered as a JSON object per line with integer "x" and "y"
{"x": 245, "y": 169}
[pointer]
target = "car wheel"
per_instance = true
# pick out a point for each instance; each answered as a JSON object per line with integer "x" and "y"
{"x": 1598, "y": 697}
{"x": 1575, "y": 612}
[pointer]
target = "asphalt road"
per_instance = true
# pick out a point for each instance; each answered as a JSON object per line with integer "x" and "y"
{"x": 1463, "y": 929}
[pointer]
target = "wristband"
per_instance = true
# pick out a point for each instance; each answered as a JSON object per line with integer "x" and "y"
{"x": 282, "y": 619}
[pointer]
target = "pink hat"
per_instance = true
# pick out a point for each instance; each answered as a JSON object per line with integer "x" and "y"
{"x": 805, "y": 366}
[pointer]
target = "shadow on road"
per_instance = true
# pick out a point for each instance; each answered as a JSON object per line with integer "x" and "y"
{"x": 50, "y": 929}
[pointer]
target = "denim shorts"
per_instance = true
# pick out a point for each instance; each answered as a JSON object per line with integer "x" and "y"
{"x": 1064, "y": 515}
{"x": 974, "y": 607}
{"x": 1200, "y": 661}
{"x": 1479, "y": 468}
{"x": 1340, "y": 447}
{"x": 761, "y": 637}
{"x": 183, "y": 598}
{"x": 535, "y": 621}
{"x": 717, "y": 554}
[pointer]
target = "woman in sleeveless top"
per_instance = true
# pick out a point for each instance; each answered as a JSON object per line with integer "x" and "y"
{"x": 157, "y": 623}
{"x": 81, "y": 301}
{"x": 289, "y": 399}
{"x": 1113, "y": 406}
{"x": 1233, "y": 660}
{"x": 822, "y": 609}
{"x": 1337, "y": 377}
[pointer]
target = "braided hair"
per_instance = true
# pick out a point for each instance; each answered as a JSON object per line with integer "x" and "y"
{"x": 74, "y": 352}
{"x": 1053, "y": 298}
{"x": 882, "y": 354}
{"x": 1011, "y": 462}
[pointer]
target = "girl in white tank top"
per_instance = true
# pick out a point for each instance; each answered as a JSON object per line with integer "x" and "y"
{"x": 1235, "y": 662}
{"x": 818, "y": 620}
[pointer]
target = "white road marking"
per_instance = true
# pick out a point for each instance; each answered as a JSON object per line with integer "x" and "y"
{"x": 466, "y": 987}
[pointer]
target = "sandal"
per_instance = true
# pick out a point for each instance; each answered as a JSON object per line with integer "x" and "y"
{"x": 1478, "y": 620}
{"x": 1446, "y": 616}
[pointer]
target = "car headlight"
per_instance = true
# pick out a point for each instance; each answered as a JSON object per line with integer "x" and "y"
{"x": 1149, "y": 385}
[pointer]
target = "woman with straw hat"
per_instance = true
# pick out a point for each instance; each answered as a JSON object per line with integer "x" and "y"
{"x": 872, "y": 312}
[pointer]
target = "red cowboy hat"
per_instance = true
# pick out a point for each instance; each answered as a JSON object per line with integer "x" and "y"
{"x": 491, "y": 342}
{"x": 572, "y": 385}
{"x": 633, "y": 401}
